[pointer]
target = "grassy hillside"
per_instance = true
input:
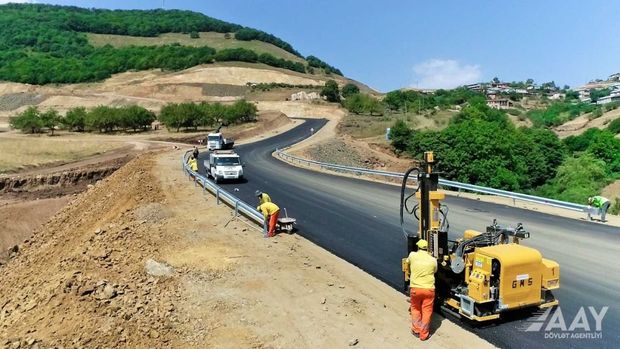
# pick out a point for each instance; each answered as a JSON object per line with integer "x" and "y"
{"x": 218, "y": 41}
{"x": 41, "y": 44}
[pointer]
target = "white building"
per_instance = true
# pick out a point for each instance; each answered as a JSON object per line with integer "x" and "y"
{"x": 614, "y": 97}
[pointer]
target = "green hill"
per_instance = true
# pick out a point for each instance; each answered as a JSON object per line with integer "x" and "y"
{"x": 42, "y": 44}
{"x": 218, "y": 41}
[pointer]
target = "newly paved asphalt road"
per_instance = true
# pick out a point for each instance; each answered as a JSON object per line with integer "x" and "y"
{"x": 358, "y": 221}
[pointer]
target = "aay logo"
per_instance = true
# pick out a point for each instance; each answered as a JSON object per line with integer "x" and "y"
{"x": 585, "y": 324}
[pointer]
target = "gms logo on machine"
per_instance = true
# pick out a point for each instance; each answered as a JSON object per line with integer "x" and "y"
{"x": 520, "y": 281}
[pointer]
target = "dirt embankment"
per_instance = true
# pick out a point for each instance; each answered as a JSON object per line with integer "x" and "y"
{"x": 29, "y": 200}
{"x": 582, "y": 123}
{"x": 144, "y": 260}
{"x": 76, "y": 179}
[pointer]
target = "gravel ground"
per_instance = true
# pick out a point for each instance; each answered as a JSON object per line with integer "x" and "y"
{"x": 13, "y": 101}
{"x": 338, "y": 152}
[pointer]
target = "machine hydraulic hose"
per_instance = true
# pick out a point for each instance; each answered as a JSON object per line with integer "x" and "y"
{"x": 404, "y": 200}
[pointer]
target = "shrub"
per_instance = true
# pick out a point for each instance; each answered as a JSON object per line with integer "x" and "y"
{"x": 577, "y": 179}
{"x": 614, "y": 126}
{"x": 330, "y": 91}
{"x": 349, "y": 90}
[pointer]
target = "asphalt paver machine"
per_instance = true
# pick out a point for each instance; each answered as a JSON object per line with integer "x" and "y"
{"x": 482, "y": 274}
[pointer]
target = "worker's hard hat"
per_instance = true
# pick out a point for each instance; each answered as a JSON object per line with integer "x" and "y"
{"x": 258, "y": 193}
{"x": 423, "y": 244}
{"x": 590, "y": 199}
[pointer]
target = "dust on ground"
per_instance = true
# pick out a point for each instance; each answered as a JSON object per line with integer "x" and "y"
{"x": 145, "y": 259}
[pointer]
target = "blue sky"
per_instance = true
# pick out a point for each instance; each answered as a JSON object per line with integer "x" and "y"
{"x": 391, "y": 44}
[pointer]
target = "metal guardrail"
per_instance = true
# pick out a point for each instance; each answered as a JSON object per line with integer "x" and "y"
{"x": 445, "y": 183}
{"x": 239, "y": 206}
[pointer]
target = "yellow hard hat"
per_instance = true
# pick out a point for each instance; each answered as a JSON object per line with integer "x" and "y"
{"x": 423, "y": 244}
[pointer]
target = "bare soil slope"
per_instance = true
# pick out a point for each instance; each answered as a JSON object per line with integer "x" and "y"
{"x": 579, "y": 125}
{"x": 152, "y": 89}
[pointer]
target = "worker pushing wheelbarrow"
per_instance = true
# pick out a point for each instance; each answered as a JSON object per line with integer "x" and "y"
{"x": 271, "y": 212}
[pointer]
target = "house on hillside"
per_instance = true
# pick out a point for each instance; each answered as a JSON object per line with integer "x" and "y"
{"x": 557, "y": 96}
{"x": 614, "y": 77}
{"x": 584, "y": 94}
{"x": 474, "y": 87}
{"x": 304, "y": 96}
{"x": 614, "y": 97}
{"x": 494, "y": 101}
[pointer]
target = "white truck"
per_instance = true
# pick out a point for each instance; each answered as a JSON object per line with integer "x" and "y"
{"x": 224, "y": 164}
{"x": 216, "y": 141}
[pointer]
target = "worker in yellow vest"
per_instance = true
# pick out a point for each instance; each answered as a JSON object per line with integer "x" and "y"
{"x": 601, "y": 203}
{"x": 262, "y": 197}
{"x": 422, "y": 268}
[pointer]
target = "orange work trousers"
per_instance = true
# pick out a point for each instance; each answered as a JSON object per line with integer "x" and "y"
{"x": 422, "y": 300}
{"x": 273, "y": 220}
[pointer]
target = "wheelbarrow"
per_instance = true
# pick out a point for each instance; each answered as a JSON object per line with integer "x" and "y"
{"x": 286, "y": 223}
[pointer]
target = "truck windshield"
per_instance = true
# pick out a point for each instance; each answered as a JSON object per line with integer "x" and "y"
{"x": 227, "y": 161}
{"x": 213, "y": 138}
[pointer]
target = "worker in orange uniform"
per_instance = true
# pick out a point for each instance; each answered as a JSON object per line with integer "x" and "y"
{"x": 271, "y": 212}
{"x": 422, "y": 269}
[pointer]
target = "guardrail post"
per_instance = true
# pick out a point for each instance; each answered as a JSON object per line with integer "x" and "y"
{"x": 195, "y": 180}
{"x": 265, "y": 229}
{"x": 236, "y": 208}
{"x": 217, "y": 196}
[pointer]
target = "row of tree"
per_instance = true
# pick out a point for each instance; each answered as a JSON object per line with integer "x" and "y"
{"x": 317, "y": 63}
{"x": 136, "y": 118}
{"x": 192, "y": 115}
{"x": 101, "y": 118}
{"x": 245, "y": 55}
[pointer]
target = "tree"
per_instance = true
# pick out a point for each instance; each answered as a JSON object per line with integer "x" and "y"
{"x": 496, "y": 80}
{"x": 194, "y": 35}
{"x": 576, "y": 180}
{"x": 74, "y": 120}
{"x": 606, "y": 147}
{"x": 400, "y": 135}
{"x": 529, "y": 82}
{"x": 330, "y": 91}
{"x": 349, "y": 89}
{"x": 50, "y": 119}
{"x": 596, "y": 94}
{"x": 28, "y": 120}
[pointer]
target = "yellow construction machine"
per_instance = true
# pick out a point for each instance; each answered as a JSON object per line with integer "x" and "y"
{"x": 482, "y": 274}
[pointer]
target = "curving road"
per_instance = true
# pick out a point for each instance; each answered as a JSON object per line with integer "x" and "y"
{"x": 358, "y": 221}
